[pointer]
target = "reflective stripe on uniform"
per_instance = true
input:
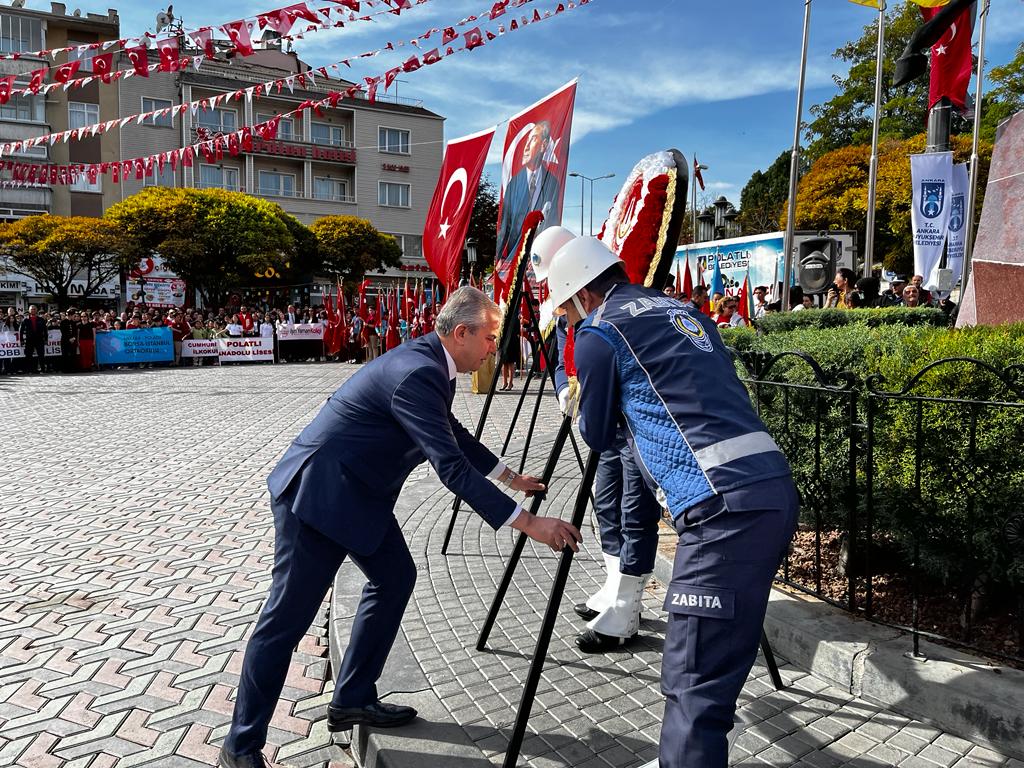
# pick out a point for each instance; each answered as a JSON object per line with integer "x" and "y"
{"x": 734, "y": 448}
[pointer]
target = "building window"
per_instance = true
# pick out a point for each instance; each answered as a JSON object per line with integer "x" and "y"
{"x": 25, "y": 108}
{"x": 84, "y": 55}
{"x": 331, "y": 189}
{"x": 152, "y": 105}
{"x": 19, "y": 34}
{"x": 157, "y": 179}
{"x": 285, "y": 126}
{"x": 218, "y": 176}
{"x": 393, "y": 140}
{"x": 82, "y": 114}
{"x": 393, "y": 195}
{"x": 411, "y": 245}
{"x": 81, "y": 184}
{"x": 280, "y": 184}
{"x": 217, "y": 120}
{"x": 325, "y": 133}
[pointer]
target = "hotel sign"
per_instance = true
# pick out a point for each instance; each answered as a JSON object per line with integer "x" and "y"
{"x": 303, "y": 151}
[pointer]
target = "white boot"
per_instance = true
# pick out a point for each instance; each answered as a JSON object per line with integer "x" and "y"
{"x": 604, "y": 597}
{"x": 622, "y": 618}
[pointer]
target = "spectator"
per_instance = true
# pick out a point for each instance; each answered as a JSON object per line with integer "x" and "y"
{"x": 247, "y": 321}
{"x": 33, "y": 340}
{"x": 267, "y": 327}
{"x": 86, "y": 343}
{"x": 948, "y": 306}
{"x": 69, "y": 341}
{"x": 869, "y": 288}
{"x": 925, "y": 295}
{"x": 760, "y": 305}
{"x": 234, "y": 328}
{"x": 911, "y": 296}
{"x": 716, "y": 299}
{"x": 841, "y": 285}
{"x": 291, "y": 317}
{"x": 180, "y": 330}
{"x": 727, "y": 316}
{"x": 699, "y": 297}
{"x": 894, "y": 296}
{"x": 8, "y": 331}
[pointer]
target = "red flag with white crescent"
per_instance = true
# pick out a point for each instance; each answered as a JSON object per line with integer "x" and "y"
{"x": 238, "y": 31}
{"x": 533, "y": 170}
{"x": 169, "y": 56}
{"x": 452, "y": 205}
{"x": 951, "y": 59}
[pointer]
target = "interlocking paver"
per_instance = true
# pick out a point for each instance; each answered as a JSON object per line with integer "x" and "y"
{"x": 133, "y": 568}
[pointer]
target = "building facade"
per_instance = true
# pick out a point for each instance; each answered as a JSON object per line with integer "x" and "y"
{"x": 379, "y": 161}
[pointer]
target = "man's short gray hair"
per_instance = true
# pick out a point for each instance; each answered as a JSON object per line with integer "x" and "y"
{"x": 466, "y": 306}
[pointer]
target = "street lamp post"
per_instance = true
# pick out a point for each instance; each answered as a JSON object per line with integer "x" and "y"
{"x": 583, "y": 178}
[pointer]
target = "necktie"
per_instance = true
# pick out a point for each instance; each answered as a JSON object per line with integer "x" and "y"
{"x": 533, "y": 185}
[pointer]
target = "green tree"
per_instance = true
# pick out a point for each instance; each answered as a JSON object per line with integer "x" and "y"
{"x": 483, "y": 224}
{"x": 846, "y": 118}
{"x": 55, "y": 251}
{"x": 763, "y": 199}
{"x": 350, "y": 247}
{"x": 213, "y": 239}
{"x": 1006, "y": 96}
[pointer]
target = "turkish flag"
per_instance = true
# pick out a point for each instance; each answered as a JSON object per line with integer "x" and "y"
{"x": 6, "y": 84}
{"x": 238, "y": 31}
{"x": 203, "y": 38}
{"x": 139, "y": 57}
{"x": 533, "y": 170}
{"x": 65, "y": 72}
{"x": 103, "y": 65}
{"x": 282, "y": 20}
{"x": 452, "y": 204}
{"x": 951, "y": 60}
{"x": 36, "y": 79}
{"x": 170, "y": 59}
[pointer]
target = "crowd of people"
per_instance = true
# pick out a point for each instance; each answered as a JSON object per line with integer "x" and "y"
{"x": 847, "y": 292}
{"x": 361, "y": 339}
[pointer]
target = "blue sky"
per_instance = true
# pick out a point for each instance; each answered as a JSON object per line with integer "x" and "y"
{"x": 715, "y": 78}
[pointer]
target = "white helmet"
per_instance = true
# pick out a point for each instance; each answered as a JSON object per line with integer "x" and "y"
{"x": 575, "y": 265}
{"x": 545, "y": 246}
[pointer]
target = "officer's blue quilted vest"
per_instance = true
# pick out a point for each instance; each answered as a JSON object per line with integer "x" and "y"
{"x": 690, "y": 417}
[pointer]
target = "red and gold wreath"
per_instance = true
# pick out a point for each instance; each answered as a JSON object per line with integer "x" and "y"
{"x": 643, "y": 224}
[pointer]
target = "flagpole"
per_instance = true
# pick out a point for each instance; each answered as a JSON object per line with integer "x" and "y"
{"x": 794, "y": 165}
{"x": 693, "y": 202}
{"x": 869, "y": 240}
{"x": 972, "y": 184}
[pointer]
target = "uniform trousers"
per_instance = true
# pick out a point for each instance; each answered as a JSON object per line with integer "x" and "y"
{"x": 730, "y": 547}
{"x": 626, "y": 510}
{"x": 305, "y": 562}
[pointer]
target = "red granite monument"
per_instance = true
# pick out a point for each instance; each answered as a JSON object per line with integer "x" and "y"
{"x": 996, "y": 287}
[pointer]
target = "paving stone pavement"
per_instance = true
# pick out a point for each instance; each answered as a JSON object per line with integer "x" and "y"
{"x": 135, "y": 554}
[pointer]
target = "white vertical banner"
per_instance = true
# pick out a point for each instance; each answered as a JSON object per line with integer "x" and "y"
{"x": 956, "y": 232}
{"x": 931, "y": 175}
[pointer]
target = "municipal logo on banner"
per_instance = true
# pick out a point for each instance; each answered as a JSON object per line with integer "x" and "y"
{"x": 956, "y": 231}
{"x": 933, "y": 195}
{"x": 931, "y": 177}
{"x": 956, "y": 212}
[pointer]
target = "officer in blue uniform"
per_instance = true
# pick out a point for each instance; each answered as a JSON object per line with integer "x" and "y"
{"x": 627, "y": 511}
{"x": 654, "y": 365}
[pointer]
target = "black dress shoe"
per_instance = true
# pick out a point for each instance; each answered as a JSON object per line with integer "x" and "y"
{"x": 585, "y": 612}
{"x": 594, "y": 642}
{"x": 379, "y": 714}
{"x": 251, "y": 760}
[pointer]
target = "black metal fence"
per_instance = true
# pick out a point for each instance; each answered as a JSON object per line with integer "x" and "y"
{"x": 912, "y": 504}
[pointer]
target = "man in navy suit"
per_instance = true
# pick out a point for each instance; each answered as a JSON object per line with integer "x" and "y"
{"x": 333, "y": 496}
{"x": 534, "y": 188}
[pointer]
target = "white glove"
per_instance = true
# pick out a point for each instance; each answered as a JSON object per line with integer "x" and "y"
{"x": 564, "y": 399}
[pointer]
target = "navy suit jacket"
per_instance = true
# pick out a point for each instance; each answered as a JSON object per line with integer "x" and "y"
{"x": 343, "y": 473}
{"x": 516, "y": 204}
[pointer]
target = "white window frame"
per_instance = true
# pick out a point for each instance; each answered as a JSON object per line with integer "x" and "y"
{"x": 380, "y": 189}
{"x": 37, "y": 101}
{"x": 382, "y": 146}
{"x": 263, "y": 117}
{"x": 82, "y": 184}
{"x": 223, "y": 169}
{"x": 342, "y": 183}
{"x": 221, "y": 111}
{"x": 331, "y": 128}
{"x": 261, "y": 190}
{"x": 88, "y": 108}
{"x": 400, "y": 239}
{"x": 83, "y": 56}
{"x": 155, "y": 179}
{"x": 25, "y": 44}
{"x": 154, "y": 105}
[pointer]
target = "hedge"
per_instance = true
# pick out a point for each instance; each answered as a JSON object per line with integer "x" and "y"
{"x": 966, "y": 514}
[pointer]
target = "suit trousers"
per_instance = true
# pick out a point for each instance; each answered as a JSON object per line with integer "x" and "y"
{"x": 730, "y": 547}
{"x": 35, "y": 354}
{"x": 626, "y": 510}
{"x": 305, "y": 563}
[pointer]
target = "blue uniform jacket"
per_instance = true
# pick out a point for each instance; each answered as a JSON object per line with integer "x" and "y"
{"x": 661, "y": 366}
{"x": 343, "y": 473}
